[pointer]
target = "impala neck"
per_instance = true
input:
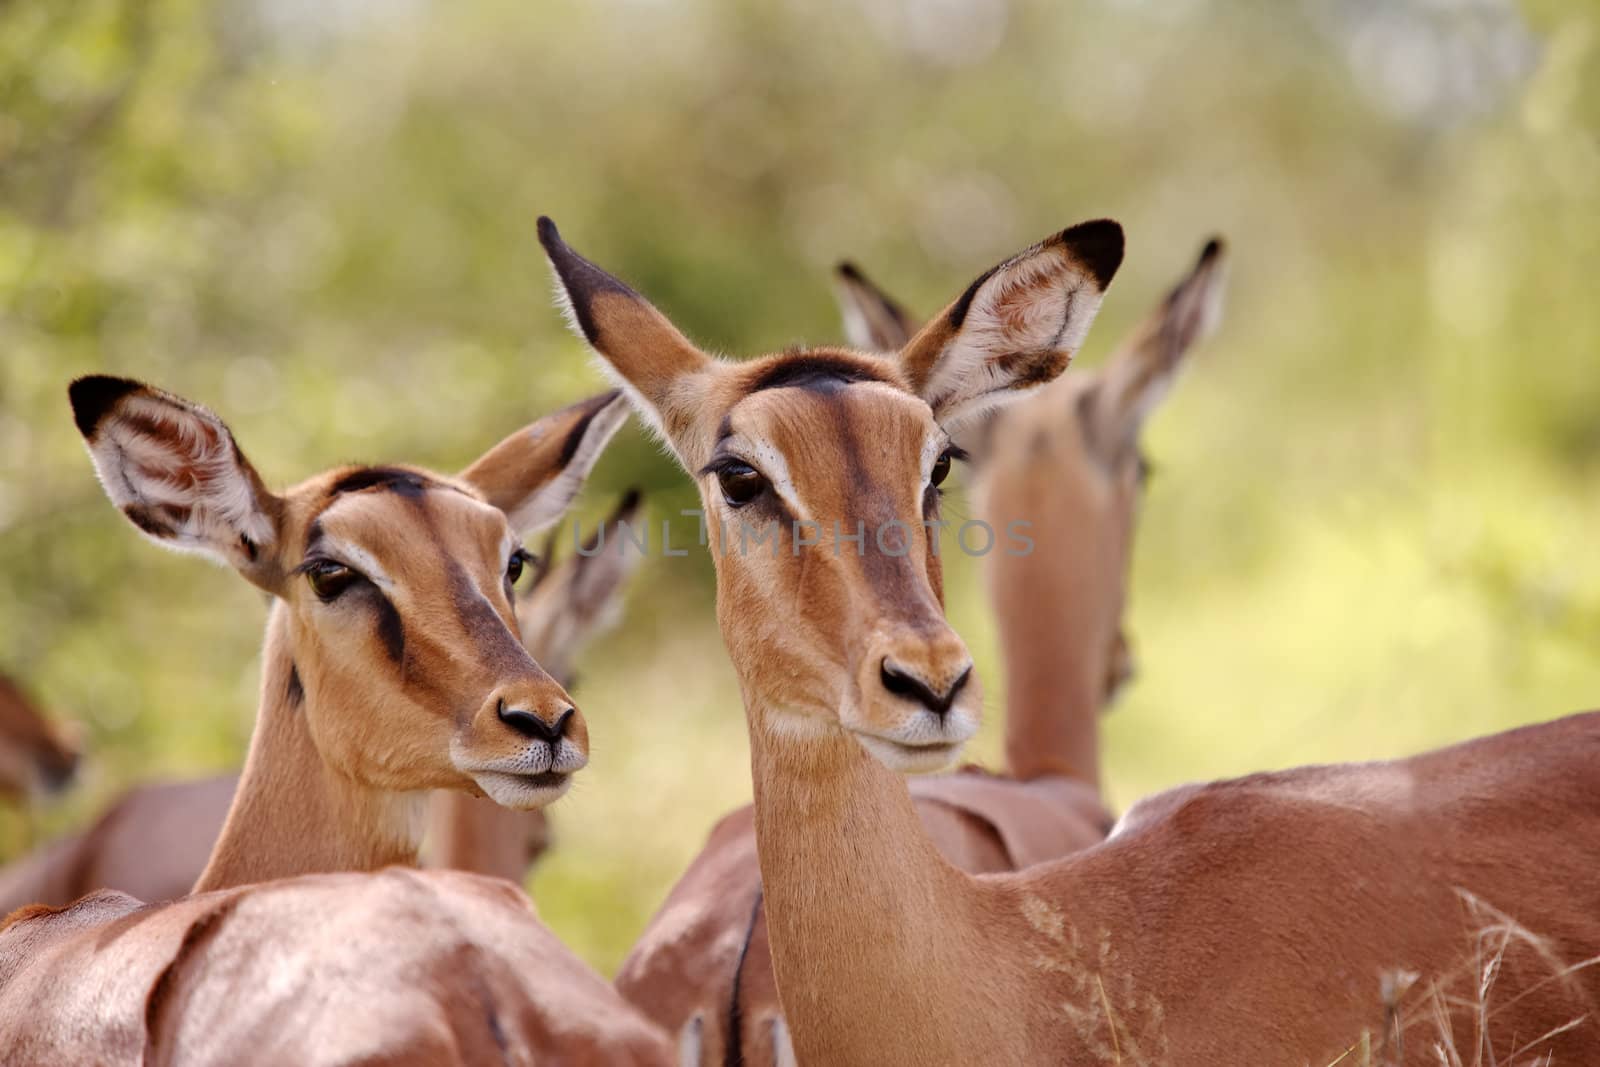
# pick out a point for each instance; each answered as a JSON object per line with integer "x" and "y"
{"x": 293, "y": 814}
{"x": 1054, "y": 690}
{"x": 1057, "y": 610}
{"x": 857, "y": 898}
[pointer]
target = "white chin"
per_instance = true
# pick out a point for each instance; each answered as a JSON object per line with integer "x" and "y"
{"x": 523, "y": 792}
{"x": 911, "y": 759}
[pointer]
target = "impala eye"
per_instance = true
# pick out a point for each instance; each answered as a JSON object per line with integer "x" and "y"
{"x": 741, "y": 483}
{"x": 941, "y": 468}
{"x": 328, "y": 579}
{"x": 514, "y": 568}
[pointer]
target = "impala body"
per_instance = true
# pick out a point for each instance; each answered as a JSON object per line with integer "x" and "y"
{"x": 1065, "y": 461}
{"x": 1253, "y": 921}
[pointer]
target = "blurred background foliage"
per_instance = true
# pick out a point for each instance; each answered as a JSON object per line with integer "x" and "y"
{"x": 1373, "y": 527}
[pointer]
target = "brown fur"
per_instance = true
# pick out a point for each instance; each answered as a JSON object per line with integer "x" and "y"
{"x": 844, "y": 443}
{"x": 1059, "y": 611}
{"x": 567, "y": 605}
{"x": 153, "y": 842}
{"x": 398, "y": 967}
{"x": 1254, "y": 923}
{"x": 849, "y": 446}
{"x": 329, "y": 783}
{"x": 357, "y": 773}
{"x": 1150, "y": 948}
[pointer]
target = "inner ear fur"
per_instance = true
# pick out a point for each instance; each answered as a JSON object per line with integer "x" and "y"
{"x": 873, "y": 320}
{"x": 176, "y": 473}
{"x": 1141, "y": 371}
{"x": 535, "y": 474}
{"x": 1017, "y": 325}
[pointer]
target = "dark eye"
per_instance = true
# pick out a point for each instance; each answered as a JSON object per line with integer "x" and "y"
{"x": 329, "y": 579}
{"x": 740, "y": 483}
{"x": 941, "y": 468}
{"x": 519, "y": 559}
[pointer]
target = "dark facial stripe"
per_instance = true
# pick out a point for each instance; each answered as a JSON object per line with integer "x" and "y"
{"x": 820, "y": 372}
{"x": 494, "y": 638}
{"x": 294, "y": 693}
{"x": 390, "y": 629}
{"x": 894, "y": 579}
{"x": 393, "y": 479}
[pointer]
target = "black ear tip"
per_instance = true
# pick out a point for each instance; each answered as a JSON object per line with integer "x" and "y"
{"x": 1213, "y": 251}
{"x": 548, "y": 234}
{"x": 93, "y": 395}
{"x": 848, "y": 271}
{"x": 1098, "y": 246}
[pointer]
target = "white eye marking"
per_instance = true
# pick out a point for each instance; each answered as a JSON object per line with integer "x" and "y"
{"x": 358, "y": 558}
{"x": 932, "y": 448}
{"x": 769, "y": 460}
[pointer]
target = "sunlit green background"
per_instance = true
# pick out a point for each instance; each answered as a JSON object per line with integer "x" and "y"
{"x": 1374, "y": 525}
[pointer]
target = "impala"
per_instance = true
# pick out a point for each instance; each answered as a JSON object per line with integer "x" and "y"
{"x": 1064, "y": 459}
{"x": 392, "y": 666}
{"x": 1251, "y": 921}
{"x": 153, "y": 842}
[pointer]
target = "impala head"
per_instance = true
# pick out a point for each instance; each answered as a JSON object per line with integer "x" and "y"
{"x": 35, "y": 755}
{"x": 1067, "y": 460}
{"x": 809, "y": 447}
{"x": 392, "y": 585}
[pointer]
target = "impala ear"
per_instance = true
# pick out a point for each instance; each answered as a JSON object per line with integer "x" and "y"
{"x": 574, "y": 601}
{"x": 872, "y": 320}
{"x": 176, "y": 473}
{"x": 534, "y": 475}
{"x": 601, "y": 570}
{"x": 1136, "y": 378}
{"x": 1017, "y": 326}
{"x": 662, "y": 373}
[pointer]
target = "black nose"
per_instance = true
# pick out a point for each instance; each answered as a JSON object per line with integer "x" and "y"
{"x": 911, "y": 687}
{"x": 534, "y": 728}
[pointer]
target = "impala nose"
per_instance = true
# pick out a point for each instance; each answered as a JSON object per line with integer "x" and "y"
{"x": 937, "y": 698}
{"x": 533, "y": 726}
